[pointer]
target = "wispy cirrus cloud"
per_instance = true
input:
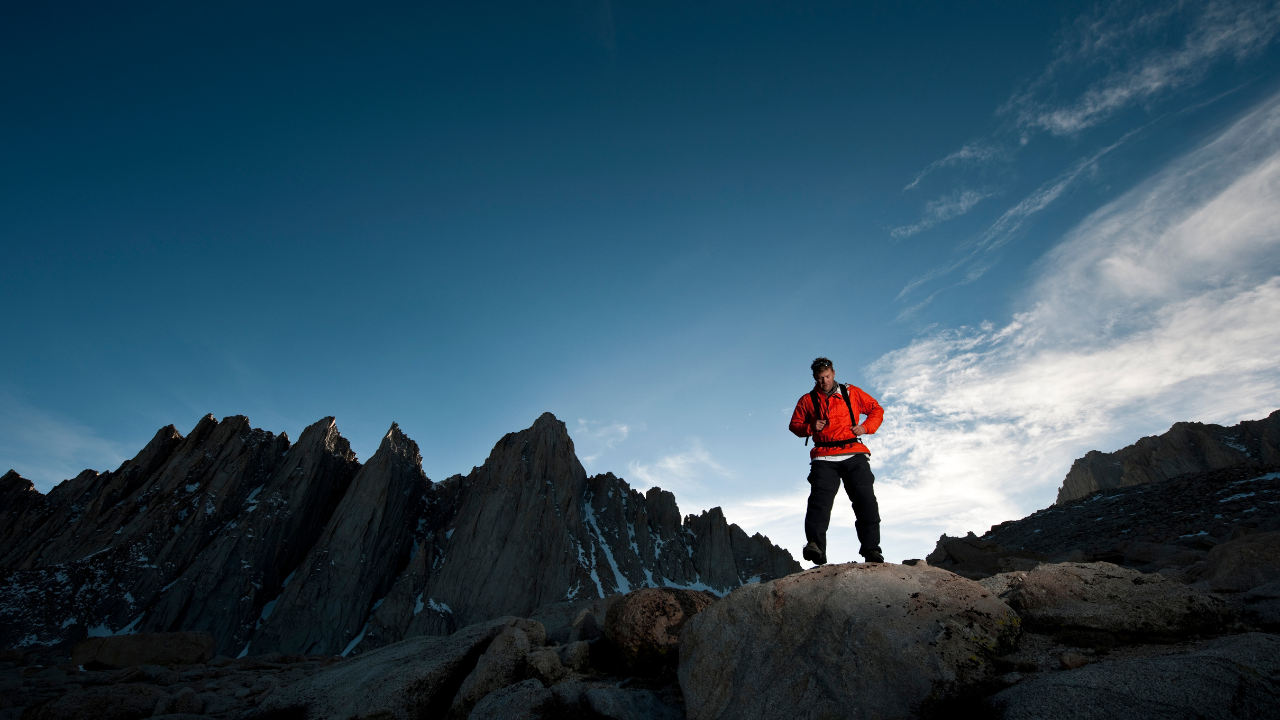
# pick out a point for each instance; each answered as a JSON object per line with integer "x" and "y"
{"x": 944, "y": 208}
{"x": 1204, "y": 34}
{"x": 599, "y": 437}
{"x": 682, "y": 473}
{"x": 1010, "y": 223}
{"x": 971, "y": 154}
{"x": 1125, "y": 55}
{"x": 1157, "y": 308}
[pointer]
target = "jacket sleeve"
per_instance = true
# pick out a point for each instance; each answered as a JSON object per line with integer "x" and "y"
{"x": 800, "y": 418}
{"x": 873, "y": 411}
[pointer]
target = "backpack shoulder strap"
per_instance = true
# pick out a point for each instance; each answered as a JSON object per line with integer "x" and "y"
{"x": 844, "y": 392}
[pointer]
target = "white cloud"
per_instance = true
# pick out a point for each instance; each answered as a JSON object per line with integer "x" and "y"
{"x": 971, "y": 154}
{"x": 1160, "y": 307}
{"x": 1122, "y": 56}
{"x": 1214, "y": 31}
{"x": 941, "y": 210}
{"x": 597, "y": 437}
{"x": 1008, "y": 225}
{"x": 46, "y": 448}
{"x": 681, "y": 473}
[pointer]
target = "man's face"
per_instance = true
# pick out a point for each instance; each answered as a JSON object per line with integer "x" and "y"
{"x": 825, "y": 379}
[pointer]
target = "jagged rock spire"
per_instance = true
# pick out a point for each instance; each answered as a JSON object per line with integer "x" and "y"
{"x": 303, "y": 550}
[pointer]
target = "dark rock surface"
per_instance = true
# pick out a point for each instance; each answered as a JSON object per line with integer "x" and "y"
{"x": 1187, "y": 447}
{"x": 860, "y": 640}
{"x": 529, "y": 528}
{"x": 1240, "y": 565}
{"x": 49, "y": 686}
{"x": 1101, "y": 598}
{"x": 366, "y": 543}
{"x": 301, "y": 550}
{"x": 418, "y": 677}
{"x": 113, "y": 653}
{"x": 1229, "y": 678}
{"x": 97, "y": 554}
{"x": 233, "y": 583}
{"x": 1167, "y": 527}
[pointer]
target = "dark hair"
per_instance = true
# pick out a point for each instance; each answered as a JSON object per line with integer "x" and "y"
{"x": 819, "y": 365}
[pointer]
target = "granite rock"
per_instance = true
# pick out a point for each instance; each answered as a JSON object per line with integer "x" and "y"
{"x": 1234, "y": 677}
{"x": 1187, "y": 447}
{"x": 1101, "y": 597}
{"x": 867, "y": 640}
{"x": 644, "y": 626}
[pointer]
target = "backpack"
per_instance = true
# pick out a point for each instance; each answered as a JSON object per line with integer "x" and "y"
{"x": 814, "y": 396}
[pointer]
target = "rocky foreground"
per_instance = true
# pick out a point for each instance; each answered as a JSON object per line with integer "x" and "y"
{"x": 1155, "y": 599}
{"x": 1061, "y": 640}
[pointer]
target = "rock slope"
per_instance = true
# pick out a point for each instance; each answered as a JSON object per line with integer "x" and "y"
{"x": 300, "y": 549}
{"x": 1187, "y": 447}
{"x": 1170, "y": 526}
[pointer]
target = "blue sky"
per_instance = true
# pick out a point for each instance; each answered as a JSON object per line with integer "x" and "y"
{"x": 1031, "y": 230}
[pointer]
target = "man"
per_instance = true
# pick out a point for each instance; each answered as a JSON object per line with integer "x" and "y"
{"x": 829, "y": 413}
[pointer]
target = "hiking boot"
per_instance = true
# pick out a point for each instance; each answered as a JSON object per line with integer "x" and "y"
{"x": 814, "y": 554}
{"x": 874, "y": 557}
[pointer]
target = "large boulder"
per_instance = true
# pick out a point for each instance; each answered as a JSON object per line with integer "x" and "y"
{"x": 1231, "y": 677}
{"x": 409, "y": 679}
{"x": 1262, "y": 606}
{"x": 644, "y": 626}
{"x": 527, "y": 700}
{"x": 1105, "y": 598}
{"x": 853, "y": 640}
{"x": 574, "y": 620}
{"x": 118, "y": 651}
{"x": 627, "y": 704}
{"x": 503, "y": 663}
{"x": 1241, "y": 564}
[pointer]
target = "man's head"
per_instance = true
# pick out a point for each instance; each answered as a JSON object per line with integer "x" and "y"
{"x": 824, "y": 375}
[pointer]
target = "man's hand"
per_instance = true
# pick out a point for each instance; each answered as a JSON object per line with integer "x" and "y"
{"x": 818, "y": 425}
{"x": 859, "y": 431}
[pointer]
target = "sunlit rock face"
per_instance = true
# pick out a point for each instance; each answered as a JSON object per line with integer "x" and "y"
{"x": 301, "y": 549}
{"x": 1185, "y": 448}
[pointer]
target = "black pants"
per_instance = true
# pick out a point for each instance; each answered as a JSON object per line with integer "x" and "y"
{"x": 824, "y": 483}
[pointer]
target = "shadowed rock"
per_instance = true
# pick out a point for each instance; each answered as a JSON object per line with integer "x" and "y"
{"x": 230, "y": 586}
{"x": 366, "y": 543}
{"x": 503, "y": 663}
{"x": 18, "y": 497}
{"x": 644, "y": 626}
{"x": 856, "y": 640}
{"x": 1241, "y": 564}
{"x": 130, "y": 701}
{"x": 300, "y": 549}
{"x": 140, "y": 527}
{"x": 180, "y": 648}
{"x": 410, "y": 679}
{"x": 529, "y": 529}
{"x": 1228, "y": 678}
{"x": 1102, "y": 597}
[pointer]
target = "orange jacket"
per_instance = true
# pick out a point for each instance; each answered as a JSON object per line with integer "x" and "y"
{"x": 839, "y": 424}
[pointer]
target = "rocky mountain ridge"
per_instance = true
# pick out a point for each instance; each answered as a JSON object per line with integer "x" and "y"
{"x": 299, "y": 548}
{"x": 1187, "y": 447}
